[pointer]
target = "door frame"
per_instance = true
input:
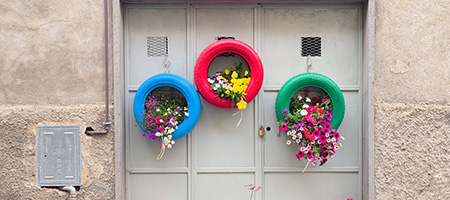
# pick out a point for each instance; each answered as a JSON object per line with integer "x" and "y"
{"x": 368, "y": 8}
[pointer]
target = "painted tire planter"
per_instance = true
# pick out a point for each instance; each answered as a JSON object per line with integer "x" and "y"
{"x": 315, "y": 80}
{"x": 179, "y": 83}
{"x": 227, "y": 46}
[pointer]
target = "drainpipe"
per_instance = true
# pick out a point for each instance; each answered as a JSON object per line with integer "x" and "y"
{"x": 72, "y": 192}
{"x": 107, "y": 123}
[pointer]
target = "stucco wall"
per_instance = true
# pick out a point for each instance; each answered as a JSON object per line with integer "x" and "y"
{"x": 52, "y": 73}
{"x": 412, "y": 111}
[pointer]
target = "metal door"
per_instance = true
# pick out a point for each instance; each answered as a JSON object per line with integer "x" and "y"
{"x": 217, "y": 158}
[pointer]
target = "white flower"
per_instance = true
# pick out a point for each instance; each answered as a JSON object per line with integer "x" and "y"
{"x": 294, "y": 137}
{"x": 305, "y": 105}
{"x": 298, "y": 141}
{"x": 299, "y": 97}
{"x": 186, "y": 114}
{"x": 172, "y": 142}
{"x": 303, "y": 112}
{"x": 328, "y": 140}
{"x": 327, "y": 135}
{"x": 294, "y": 132}
{"x": 333, "y": 139}
{"x": 170, "y": 131}
{"x": 308, "y": 99}
{"x": 158, "y": 134}
{"x": 288, "y": 142}
{"x": 342, "y": 138}
{"x": 158, "y": 110}
{"x": 169, "y": 146}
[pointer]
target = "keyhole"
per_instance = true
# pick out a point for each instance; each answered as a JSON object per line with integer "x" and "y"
{"x": 268, "y": 128}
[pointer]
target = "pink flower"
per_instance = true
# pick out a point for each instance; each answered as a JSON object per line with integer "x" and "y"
{"x": 327, "y": 126}
{"x": 283, "y": 128}
{"x": 328, "y": 116}
{"x": 288, "y": 142}
{"x": 285, "y": 112}
{"x": 316, "y": 133}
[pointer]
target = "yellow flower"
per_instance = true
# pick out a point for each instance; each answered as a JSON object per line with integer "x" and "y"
{"x": 247, "y": 80}
{"x": 242, "y": 104}
{"x": 185, "y": 108}
{"x": 234, "y": 74}
{"x": 227, "y": 71}
{"x": 227, "y": 92}
{"x": 245, "y": 73}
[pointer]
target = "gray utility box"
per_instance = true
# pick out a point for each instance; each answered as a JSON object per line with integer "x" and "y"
{"x": 58, "y": 155}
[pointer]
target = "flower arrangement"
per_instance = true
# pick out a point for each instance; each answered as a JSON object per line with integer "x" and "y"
{"x": 231, "y": 84}
{"x": 163, "y": 113}
{"x": 306, "y": 124}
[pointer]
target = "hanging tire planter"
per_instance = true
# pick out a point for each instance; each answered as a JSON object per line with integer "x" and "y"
{"x": 227, "y": 46}
{"x": 180, "y": 84}
{"x": 314, "y": 80}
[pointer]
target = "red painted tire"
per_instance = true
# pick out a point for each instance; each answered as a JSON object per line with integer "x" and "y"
{"x": 227, "y": 46}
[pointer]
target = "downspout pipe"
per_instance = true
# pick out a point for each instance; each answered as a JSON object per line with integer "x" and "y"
{"x": 107, "y": 123}
{"x": 72, "y": 192}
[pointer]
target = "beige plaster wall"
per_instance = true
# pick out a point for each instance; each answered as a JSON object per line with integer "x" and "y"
{"x": 52, "y": 52}
{"x": 412, "y": 107}
{"x": 52, "y": 73}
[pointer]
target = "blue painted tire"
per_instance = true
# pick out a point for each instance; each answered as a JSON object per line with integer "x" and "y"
{"x": 179, "y": 83}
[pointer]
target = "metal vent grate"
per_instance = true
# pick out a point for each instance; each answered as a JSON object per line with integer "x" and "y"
{"x": 157, "y": 46}
{"x": 225, "y": 54}
{"x": 311, "y": 46}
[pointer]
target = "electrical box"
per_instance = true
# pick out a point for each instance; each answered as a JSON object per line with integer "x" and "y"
{"x": 58, "y": 155}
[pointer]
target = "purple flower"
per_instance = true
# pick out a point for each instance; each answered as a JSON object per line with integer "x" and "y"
{"x": 301, "y": 124}
{"x": 309, "y": 154}
{"x": 296, "y": 127}
{"x": 320, "y": 120}
{"x": 323, "y": 162}
{"x": 328, "y": 116}
{"x": 286, "y": 121}
{"x": 285, "y": 112}
{"x": 283, "y": 127}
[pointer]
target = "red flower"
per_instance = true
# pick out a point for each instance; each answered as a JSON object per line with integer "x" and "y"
{"x": 314, "y": 100}
{"x": 321, "y": 111}
{"x": 306, "y": 90}
{"x": 314, "y": 109}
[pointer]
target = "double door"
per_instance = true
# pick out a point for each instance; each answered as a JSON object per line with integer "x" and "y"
{"x": 217, "y": 158}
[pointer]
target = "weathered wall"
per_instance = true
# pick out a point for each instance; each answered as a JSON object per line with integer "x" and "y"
{"x": 412, "y": 110}
{"x": 52, "y": 73}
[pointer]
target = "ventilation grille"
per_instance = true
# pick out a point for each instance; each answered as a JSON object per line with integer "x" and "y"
{"x": 157, "y": 46}
{"x": 225, "y": 54}
{"x": 311, "y": 46}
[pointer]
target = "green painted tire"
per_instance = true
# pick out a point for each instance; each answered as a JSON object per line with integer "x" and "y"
{"x": 314, "y": 80}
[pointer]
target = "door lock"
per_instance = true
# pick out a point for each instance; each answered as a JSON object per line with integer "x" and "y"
{"x": 261, "y": 131}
